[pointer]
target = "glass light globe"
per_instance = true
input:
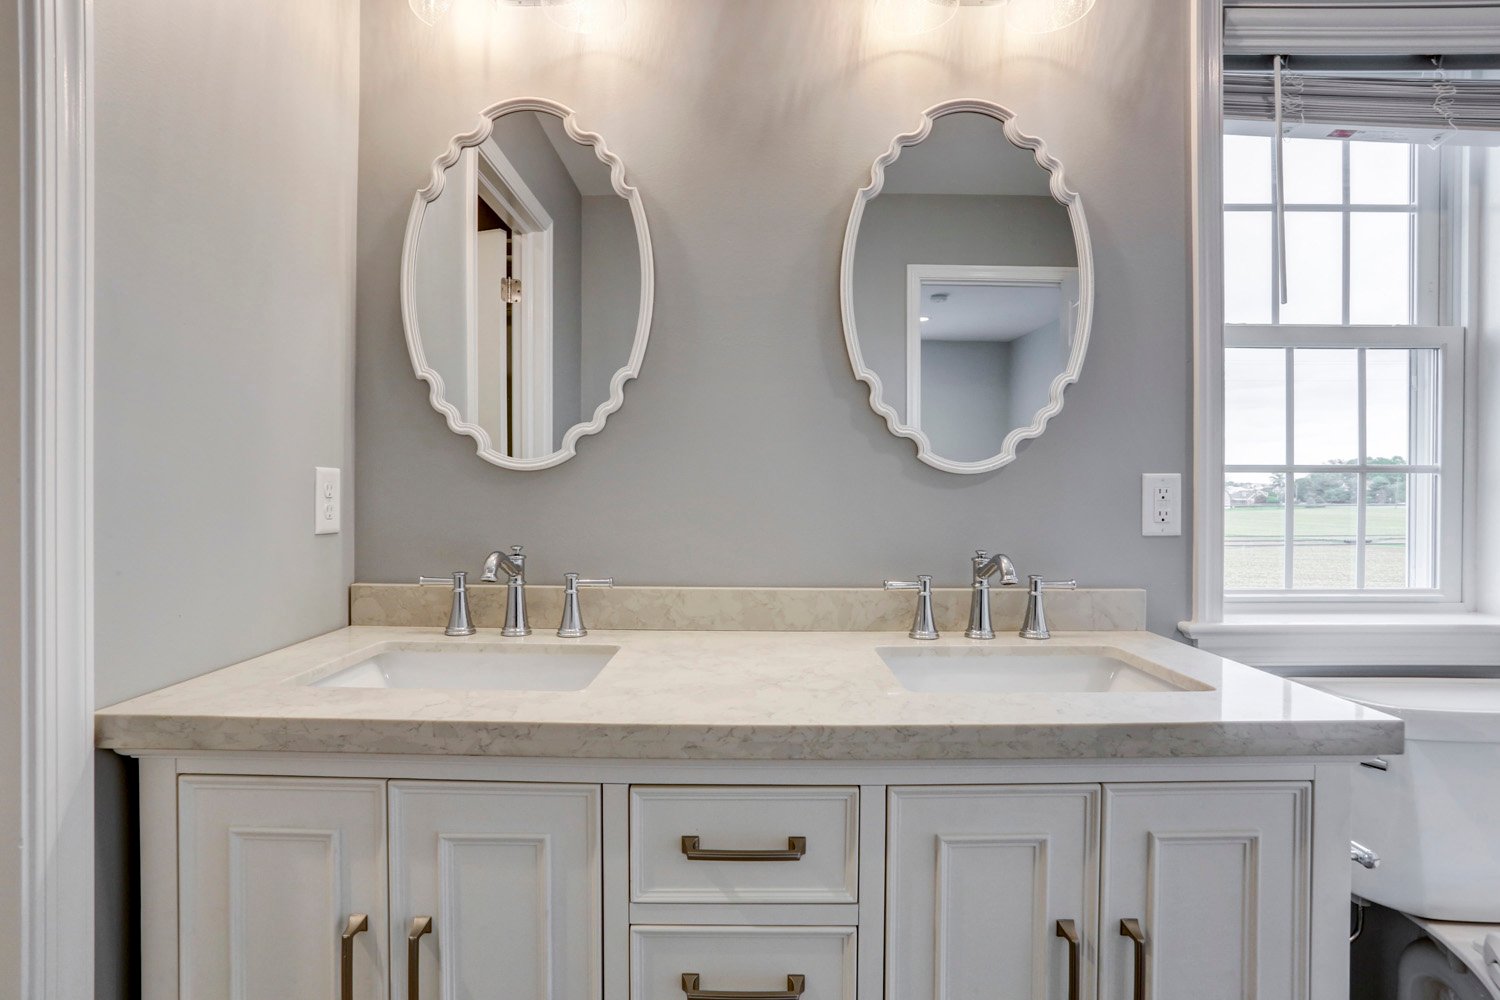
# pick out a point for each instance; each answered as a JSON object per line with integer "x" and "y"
{"x": 430, "y": 11}
{"x": 587, "y": 17}
{"x": 1037, "y": 17}
{"x": 913, "y": 17}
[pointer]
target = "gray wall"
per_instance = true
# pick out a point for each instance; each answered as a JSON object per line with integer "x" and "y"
{"x": 1035, "y": 361}
{"x": 10, "y": 504}
{"x": 902, "y": 229}
{"x": 966, "y": 390}
{"x": 611, "y": 294}
{"x": 225, "y": 194}
{"x": 746, "y": 453}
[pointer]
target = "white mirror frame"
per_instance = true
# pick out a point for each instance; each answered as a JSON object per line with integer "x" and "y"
{"x": 1085, "y": 308}
{"x": 430, "y": 193}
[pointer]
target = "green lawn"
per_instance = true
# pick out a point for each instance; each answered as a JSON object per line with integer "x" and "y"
{"x": 1324, "y": 546}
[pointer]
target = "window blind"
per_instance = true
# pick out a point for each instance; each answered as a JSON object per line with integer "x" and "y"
{"x": 1436, "y": 99}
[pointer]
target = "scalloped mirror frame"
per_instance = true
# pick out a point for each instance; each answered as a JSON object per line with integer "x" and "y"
{"x": 1064, "y": 195}
{"x": 430, "y": 193}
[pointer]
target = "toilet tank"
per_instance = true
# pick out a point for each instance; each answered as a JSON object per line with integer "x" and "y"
{"x": 1434, "y": 815}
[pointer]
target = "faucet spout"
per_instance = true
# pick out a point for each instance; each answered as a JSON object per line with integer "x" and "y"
{"x": 514, "y": 566}
{"x": 986, "y": 566}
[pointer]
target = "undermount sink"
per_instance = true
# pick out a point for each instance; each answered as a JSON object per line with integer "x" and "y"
{"x": 1007, "y": 670}
{"x": 555, "y": 667}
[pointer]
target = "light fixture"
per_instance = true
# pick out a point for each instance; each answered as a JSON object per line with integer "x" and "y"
{"x": 586, "y": 17}
{"x": 1037, "y": 17}
{"x": 430, "y": 11}
{"x": 913, "y": 17}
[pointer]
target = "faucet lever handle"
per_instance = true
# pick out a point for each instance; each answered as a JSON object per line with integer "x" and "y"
{"x": 1041, "y": 584}
{"x": 923, "y": 582}
{"x": 922, "y": 626}
{"x": 456, "y": 580}
{"x": 460, "y": 621}
{"x": 572, "y": 626}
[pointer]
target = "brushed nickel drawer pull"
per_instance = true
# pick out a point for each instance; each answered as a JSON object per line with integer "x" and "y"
{"x": 1068, "y": 931}
{"x": 796, "y": 847}
{"x": 796, "y": 985}
{"x": 419, "y": 927}
{"x": 1131, "y": 928}
{"x": 358, "y": 923}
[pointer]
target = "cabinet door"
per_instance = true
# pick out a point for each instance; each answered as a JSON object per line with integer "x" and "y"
{"x": 510, "y": 876}
{"x": 1217, "y": 877}
{"x": 979, "y": 878}
{"x": 271, "y": 870}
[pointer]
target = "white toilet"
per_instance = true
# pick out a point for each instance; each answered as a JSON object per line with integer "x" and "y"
{"x": 1433, "y": 816}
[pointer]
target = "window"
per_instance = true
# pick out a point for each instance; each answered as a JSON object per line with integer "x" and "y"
{"x": 1343, "y": 403}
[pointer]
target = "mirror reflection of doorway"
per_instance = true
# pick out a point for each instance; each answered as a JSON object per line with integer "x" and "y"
{"x": 983, "y": 346}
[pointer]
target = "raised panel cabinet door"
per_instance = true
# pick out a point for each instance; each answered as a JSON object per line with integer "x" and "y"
{"x": 509, "y": 876}
{"x": 273, "y": 874}
{"x": 985, "y": 886}
{"x": 1214, "y": 881}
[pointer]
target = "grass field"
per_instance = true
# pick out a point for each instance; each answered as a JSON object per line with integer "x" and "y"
{"x": 1323, "y": 540}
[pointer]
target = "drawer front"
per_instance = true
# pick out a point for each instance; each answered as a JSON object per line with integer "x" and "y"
{"x": 785, "y": 845}
{"x": 809, "y": 963}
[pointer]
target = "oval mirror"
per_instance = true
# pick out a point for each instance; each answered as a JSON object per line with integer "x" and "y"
{"x": 526, "y": 284}
{"x": 966, "y": 287}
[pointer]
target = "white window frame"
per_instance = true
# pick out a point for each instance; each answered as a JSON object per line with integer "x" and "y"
{"x": 1312, "y": 635}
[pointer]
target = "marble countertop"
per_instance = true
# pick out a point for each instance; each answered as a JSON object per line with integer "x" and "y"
{"x": 744, "y": 695}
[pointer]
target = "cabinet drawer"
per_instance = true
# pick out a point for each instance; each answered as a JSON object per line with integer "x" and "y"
{"x": 792, "y": 845}
{"x": 818, "y": 962}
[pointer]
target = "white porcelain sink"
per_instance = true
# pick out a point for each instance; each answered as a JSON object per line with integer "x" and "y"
{"x": 1007, "y": 670}
{"x": 556, "y": 667}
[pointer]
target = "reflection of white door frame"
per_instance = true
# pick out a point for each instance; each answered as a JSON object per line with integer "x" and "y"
{"x": 1066, "y": 278}
{"x": 493, "y": 178}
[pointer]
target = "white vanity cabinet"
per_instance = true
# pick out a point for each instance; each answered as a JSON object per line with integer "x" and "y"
{"x": 504, "y": 880}
{"x": 1174, "y": 891}
{"x": 979, "y": 881}
{"x": 289, "y": 889}
{"x": 274, "y": 875}
{"x": 642, "y": 880}
{"x": 1217, "y": 876}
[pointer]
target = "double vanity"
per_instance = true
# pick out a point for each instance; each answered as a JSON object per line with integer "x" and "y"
{"x": 720, "y": 794}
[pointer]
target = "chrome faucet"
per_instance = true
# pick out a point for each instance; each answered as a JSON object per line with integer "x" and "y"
{"x": 1035, "y": 625}
{"x": 922, "y": 626}
{"x": 460, "y": 622}
{"x": 986, "y": 566}
{"x": 572, "y": 616}
{"x": 514, "y": 566}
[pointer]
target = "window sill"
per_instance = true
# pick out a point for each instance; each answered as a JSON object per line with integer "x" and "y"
{"x": 1352, "y": 639}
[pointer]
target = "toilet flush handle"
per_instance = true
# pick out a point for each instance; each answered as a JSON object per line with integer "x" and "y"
{"x": 1363, "y": 856}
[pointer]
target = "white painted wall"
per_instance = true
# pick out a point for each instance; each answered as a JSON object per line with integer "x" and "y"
{"x": 748, "y": 127}
{"x": 10, "y": 505}
{"x": 226, "y": 137}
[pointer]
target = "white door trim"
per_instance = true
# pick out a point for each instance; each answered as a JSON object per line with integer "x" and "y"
{"x": 57, "y": 669}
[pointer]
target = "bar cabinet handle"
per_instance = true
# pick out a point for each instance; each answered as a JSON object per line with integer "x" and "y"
{"x": 1131, "y": 928}
{"x": 419, "y": 927}
{"x": 796, "y": 847}
{"x": 358, "y": 923}
{"x": 796, "y": 985}
{"x": 1068, "y": 931}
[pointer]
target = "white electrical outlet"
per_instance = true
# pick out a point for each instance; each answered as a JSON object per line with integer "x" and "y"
{"x": 327, "y": 501}
{"x": 1161, "y": 503}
